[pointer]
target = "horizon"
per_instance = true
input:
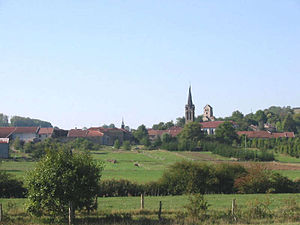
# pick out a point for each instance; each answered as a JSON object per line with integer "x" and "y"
{"x": 84, "y": 64}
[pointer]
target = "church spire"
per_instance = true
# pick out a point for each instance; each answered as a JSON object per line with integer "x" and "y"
{"x": 190, "y": 101}
{"x": 123, "y": 124}
{"x": 189, "y": 109}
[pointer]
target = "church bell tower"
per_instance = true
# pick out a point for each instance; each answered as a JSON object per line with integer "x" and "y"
{"x": 189, "y": 109}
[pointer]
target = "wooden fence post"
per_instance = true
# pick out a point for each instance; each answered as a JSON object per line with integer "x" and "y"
{"x": 1, "y": 212}
{"x": 71, "y": 213}
{"x": 159, "y": 210}
{"x": 233, "y": 208}
{"x": 142, "y": 201}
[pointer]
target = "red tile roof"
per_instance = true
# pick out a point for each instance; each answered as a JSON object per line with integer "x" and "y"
{"x": 46, "y": 130}
{"x": 6, "y": 131}
{"x": 77, "y": 133}
{"x": 94, "y": 133}
{"x": 21, "y": 130}
{"x": 266, "y": 134}
{"x": 211, "y": 124}
{"x": 173, "y": 131}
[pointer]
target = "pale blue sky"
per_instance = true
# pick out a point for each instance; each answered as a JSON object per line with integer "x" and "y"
{"x": 86, "y": 63}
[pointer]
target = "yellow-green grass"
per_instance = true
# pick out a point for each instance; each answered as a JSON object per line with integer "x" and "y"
{"x": 216, "y": 202}
{"x": 292, "y": 174}
{"x": 286, "y": 158}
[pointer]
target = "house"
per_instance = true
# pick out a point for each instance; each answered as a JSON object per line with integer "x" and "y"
{"x": 44, "y": 133}
{"x": 5, "y": 132}
{"x": 296, "y": 110}
{"x": 100, "y": 135}
{"x": 4, "y": 148}
{"x": 26, "y": 134}
{"x": 210, "y": 127}
{"x": 266, "y": 134}
{"x": 173, "y": 131}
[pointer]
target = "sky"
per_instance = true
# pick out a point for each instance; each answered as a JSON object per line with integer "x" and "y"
{"x": 87, "y": 63}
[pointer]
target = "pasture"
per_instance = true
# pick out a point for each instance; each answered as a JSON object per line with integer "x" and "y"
{"x": 144, "y": 165}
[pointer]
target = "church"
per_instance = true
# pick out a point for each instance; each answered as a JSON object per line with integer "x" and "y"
{"x": 209, "y": 125}
{"x": 190, "y": 111}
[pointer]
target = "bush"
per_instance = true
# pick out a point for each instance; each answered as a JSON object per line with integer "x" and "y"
{"x": 197, "y": 207}
{"x": 11, "y": 187}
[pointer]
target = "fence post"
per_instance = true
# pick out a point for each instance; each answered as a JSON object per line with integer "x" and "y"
{"x": 1, "y": 212}
{"x": 71, "y": 213}
{"x": 142, "y": 201}
{"x": 233, "y": 208}
{"x": 159, "y": 210}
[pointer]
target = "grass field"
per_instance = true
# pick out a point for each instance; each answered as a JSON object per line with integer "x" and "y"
{"x": 216, "y": 202}
{"x": 151, "y": 164}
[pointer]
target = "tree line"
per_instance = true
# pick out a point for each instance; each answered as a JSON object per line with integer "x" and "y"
{"x": 281, "y": 118}
{"x": 18, "y": 121}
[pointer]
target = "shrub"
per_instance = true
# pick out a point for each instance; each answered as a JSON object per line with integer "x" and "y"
{"x": 11, "y": 187}
{"x": 197, "y": 207}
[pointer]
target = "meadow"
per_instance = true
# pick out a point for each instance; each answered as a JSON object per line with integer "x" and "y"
{"x": 143, "y": 166}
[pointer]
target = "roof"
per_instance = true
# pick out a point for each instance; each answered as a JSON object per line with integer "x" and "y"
{"x": 211, "y": 124}
{"x": 266, "y": 134}
{"x": 6, "y": 131}
{"x": 45, "y": 130}
{"x": 20, "y": 130}
{"x": 77, "y": 133}
{"x": 173, "y": 131}
{"x": 94, "y": 133}
{"x": 84, "y": 133}
{"x": 4, "y": 140}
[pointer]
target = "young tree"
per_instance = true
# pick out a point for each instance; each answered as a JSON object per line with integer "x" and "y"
{"x": 117, "y": 144}
{"x": 126, "y": 145}
{"x": 60, "y": 179}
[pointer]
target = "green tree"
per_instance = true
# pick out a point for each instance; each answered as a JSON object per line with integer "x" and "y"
{"x": 3, "y": 120}
{"x": 126, "y": 145}
{"x": 117, "y": 144}
{"x": 17, "y": 144}
{"x": 289, "y": 123}
{"x": 18, "y": 121}
{"x": 225, "y": 133}
{"x": 61, "y": 178}
{"x": 192, "y": 132}
{"x": 140, "y": 133}
{"x": 180, "y": 121}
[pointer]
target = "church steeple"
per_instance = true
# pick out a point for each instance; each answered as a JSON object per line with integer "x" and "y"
{"x": 123, "y": 124}
{"x": 189, "y": 109}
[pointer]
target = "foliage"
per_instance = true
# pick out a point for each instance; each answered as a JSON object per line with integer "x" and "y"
{"x": 3, "y": 120}
{"x": 163, "y": 126}
{"x": 225, "y": 133}
{"x": 126, "y": 145}
{"x": 18, "y": 121}
{"x": 261, "y": 180}
{"x": 117, "y": 144}
{"x": 60, "y": 178}
{"x": 197, "y": 207}
{"x": 140, "y": 133}
{"x": 17, "y": 144}
{"x": 192, "y": 132}
{"x": 238, "y": 153}
{"x": 11, "y": 187}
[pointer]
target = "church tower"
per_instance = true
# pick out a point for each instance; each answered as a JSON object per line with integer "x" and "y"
{"x": 189, "y": 109}
{"x": 123, "y": 124}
